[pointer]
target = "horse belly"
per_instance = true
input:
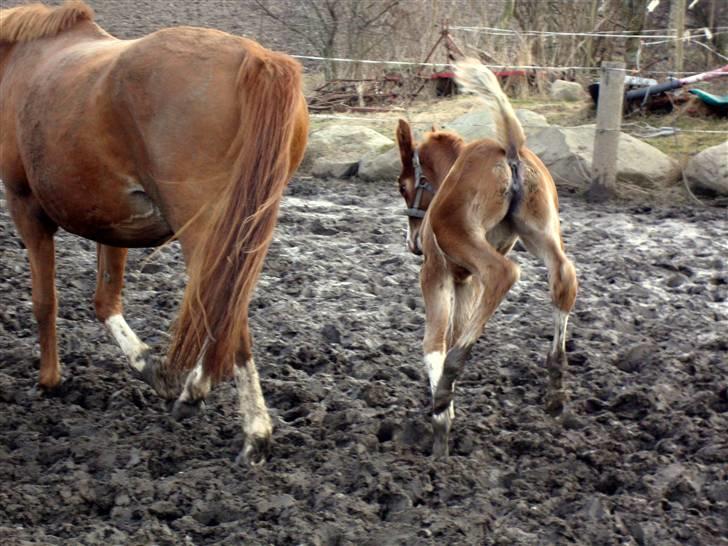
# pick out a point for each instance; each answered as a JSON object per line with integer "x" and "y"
{"x": 128, "y": 219}
{"x": 144, "y": 226}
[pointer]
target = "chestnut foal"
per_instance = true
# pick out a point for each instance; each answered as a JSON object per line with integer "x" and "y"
{"x": 467, "y": 205}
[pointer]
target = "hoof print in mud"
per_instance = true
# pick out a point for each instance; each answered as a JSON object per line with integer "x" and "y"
{"x": 183, "y": 409}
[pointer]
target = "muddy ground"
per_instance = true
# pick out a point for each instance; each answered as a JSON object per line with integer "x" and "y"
{"x": 640, "y": 457}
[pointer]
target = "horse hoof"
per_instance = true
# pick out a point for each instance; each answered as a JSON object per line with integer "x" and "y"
{"x": 154, "y": 375}
{"x": 440, "y": 449}
{"x": 442, "y": 401}
{"x": 441, "y": 434}
{"x": 184, "y": 409}
{"x": 256, "y": 450}
{"x": 555, "y": 403}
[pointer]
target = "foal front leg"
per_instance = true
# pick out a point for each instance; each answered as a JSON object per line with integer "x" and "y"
{"x": 437, "y": 292}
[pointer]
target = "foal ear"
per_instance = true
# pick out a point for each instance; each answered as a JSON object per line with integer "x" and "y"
{"x": 405, "y": 140}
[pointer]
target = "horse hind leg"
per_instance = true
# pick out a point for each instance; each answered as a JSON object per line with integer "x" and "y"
{"x": 111, "y": 262}
{"x": 257, "y": 425}
{"x": 37, "y": 230}
{"x": 191, "y": 400}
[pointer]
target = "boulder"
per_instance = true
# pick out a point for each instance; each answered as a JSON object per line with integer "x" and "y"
{"x": 708, "y": 170}
{"x": 531, "y": 120}
{"x": 568, "y": 152}
{"x": 384, "y": 166}
{"x": 474, "y": 125}
{"x": 337, "y": 149}
{"x": 567, "y": 91}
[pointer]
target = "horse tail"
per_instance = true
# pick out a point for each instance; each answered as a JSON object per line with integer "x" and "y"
{"x": 226, "y": 264}
{"x": 476, "y": 78}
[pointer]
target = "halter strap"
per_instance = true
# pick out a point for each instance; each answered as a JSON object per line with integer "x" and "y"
{"x": 421, "y": 185}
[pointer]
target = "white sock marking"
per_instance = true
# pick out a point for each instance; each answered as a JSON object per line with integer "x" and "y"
{"x": 130, "y": 344}
{"x": 256, "y": 421}
{"x": 434, "y": 363}
{"x": 561, "y": 318}
{"x": 197, "y": 385}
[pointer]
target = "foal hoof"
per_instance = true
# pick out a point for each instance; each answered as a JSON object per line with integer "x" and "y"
{"x": 555, "y": 403}
{"x": 256, "y": 451}
{"x": 183, "y": 409}
{"x": 442, "y": 401}
{"x": 441, "y": 435}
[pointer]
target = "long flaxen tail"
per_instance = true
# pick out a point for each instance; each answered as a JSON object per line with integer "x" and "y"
{"x": 474, "y": 77}
{"x": 224, "y": 270}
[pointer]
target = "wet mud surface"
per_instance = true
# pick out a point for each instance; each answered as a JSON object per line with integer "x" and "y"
{"x": 639, "y": 457}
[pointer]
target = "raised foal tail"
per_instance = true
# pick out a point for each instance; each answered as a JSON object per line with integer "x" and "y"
{"x": 223, "y": 272}
{"x": 474, "y": 77}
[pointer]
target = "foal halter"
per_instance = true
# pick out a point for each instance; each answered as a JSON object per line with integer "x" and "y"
{"x": 421, "y": 186}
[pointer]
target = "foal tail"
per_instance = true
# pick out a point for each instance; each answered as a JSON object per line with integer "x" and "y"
{"x": 213, "y": 319}
{"x": 475, "y": 78}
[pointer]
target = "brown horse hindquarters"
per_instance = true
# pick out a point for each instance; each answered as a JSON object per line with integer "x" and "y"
{"x": 175, "y": 97}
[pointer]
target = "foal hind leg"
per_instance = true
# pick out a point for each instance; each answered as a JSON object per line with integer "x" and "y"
{"x": 37, "y": 230}
{"x": 437, "y": 292}
{"x": 545, "y": 243}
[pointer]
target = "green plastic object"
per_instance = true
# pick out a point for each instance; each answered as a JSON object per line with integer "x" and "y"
{"x": 710, "y": 99}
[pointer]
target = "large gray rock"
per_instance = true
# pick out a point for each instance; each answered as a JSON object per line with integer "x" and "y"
{"x": 337, "y": 149}
{"x": 567, "y": 91}
{"x": 474, "y": 125}
{"x": 384, "y": 166}
{"x": 531, "y": 120}
{"x": 708, "y": 170}
{"x": 568, "y": 153}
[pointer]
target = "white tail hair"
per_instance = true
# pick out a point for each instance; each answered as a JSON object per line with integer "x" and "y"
{"x": 474, "y": 77}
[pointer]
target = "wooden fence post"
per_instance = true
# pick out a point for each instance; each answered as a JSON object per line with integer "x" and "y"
{"x": 606, "y": 139}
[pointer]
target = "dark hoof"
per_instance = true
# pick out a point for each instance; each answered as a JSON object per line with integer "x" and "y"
{"x": 185, "y": 409}
{"x": 443, "y": 398}
{"x": 256, "y": 451}
{"x": 555, "y": 403}
{"x": 156, "y": 376}
{"x": 440, "y": 435}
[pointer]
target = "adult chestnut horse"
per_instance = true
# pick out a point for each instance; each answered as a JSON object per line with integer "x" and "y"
{"x": 187, "y": 132}
{"x": 467, "y": 205}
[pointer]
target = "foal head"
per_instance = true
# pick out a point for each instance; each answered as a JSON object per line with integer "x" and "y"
{"x": 424, "y": 167}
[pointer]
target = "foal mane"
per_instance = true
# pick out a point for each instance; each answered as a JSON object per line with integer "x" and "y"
{"x": 34, "y": 21}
